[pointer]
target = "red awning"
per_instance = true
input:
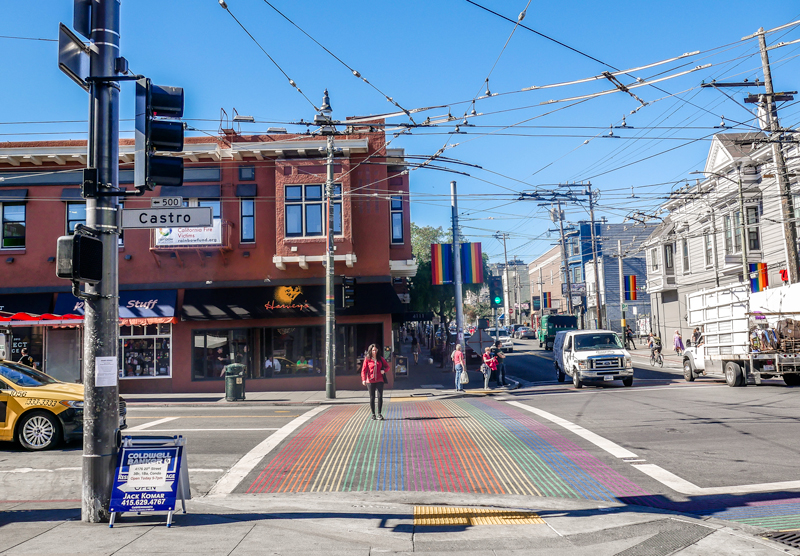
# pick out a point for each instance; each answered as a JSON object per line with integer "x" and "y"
{"x": 49, "y": 319}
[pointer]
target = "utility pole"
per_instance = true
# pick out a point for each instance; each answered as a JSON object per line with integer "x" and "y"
{"x": 541, "y": 297}
{"x": 789, "y": 231}
{"x": 517, "y": 293}
{"x": 457, "y": 265}
{"x": 594, "y": 258}
{"x": 324, "y": 119}
{"x": 621, "y": 288}
{"x": 101, "y": 325}
{"x": 743, "y": 230}
{"x": 560, "y": 216}
{"x": 504, "y": 236}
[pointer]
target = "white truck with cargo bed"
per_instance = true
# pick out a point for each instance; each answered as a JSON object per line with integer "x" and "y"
{"x": 740, "y": 341}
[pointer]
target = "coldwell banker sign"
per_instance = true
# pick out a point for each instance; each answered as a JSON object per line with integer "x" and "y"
{"x": 146, "y": 479}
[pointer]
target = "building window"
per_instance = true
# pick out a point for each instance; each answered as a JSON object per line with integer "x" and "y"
{"x": 577, "y": 274}
{"x": 303, "y": 210}
{"x": 337, "y": 210}
{"x": 145, "y": 351}
{"x": 247, "y": 173}
{"x": 709, "y": 248}
{"x": 733, "y": 234}
{"x": 13, "y": 224}
{"x": 248, "y": 225}
{"x": 654, "y": 259}
{"x": 397, "y": 218}
{"x": 753, "y": 221}
{"x": 669, "y": 262}
{"x": 76, "y": 214}
{"x": 685, "y": 252}
{"x": 576, "y": 247}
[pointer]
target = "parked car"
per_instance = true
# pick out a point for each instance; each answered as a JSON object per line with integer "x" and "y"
{"x": 40, "y": 411}
{"x": 591, "y": 355}
{"x": 525, "y": 332}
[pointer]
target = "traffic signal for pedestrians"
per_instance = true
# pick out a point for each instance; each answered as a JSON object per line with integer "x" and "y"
{"x": 496, "y": 292}
{"x": 154, "y": 134}
{"x": 348, "y": 292}
{"x": 79, "y": 258}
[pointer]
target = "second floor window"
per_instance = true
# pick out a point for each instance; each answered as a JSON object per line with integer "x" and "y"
{"x": 685, "y": 253}
{"x": 577, "y": 274}
{"x": 709, "y": 248}
{"x": 397, "y": 218}
{"x": 76, "y": 214}
{"x": 753, "y": 221}
{"x": 13, "y": 225}
{"x": 669, "y": 259}
{"x": 733, "y": 234}
{"x": 248, "y": 226}
{"x": 304, "y": 210}
{"x": 654, "y": 259}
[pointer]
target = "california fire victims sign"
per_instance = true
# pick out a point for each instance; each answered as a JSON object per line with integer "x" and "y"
{"x": 147, "y": 479}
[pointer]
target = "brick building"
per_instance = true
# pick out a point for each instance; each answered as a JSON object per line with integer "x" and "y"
{"x": 248, "y": 289}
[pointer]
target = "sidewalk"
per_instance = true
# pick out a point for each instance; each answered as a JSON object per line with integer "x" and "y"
{"x": 385, "y": 522}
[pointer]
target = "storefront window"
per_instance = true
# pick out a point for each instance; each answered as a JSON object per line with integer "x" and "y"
{"x": 213, "y": 350}
{"x": 145, "y": 351}
{"x": 282, "y": 351}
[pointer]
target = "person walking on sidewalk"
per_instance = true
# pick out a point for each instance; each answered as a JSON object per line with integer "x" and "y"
{"x": 459, "y": 365}
{"x": 629, "y": 338}
{"x": 373, "y": 375}
{"x": 677, "y": 342}
{"x": 415, "y": 349}
{"x": 489, "y": 365}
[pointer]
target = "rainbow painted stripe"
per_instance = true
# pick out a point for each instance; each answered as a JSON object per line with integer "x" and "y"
{"x": 759, "y": 277}
{"x": 474, "y": 446}
{"x": 441, "y": 263}
{"x": 471, "y": 263}
{"x": 630, "y": 287}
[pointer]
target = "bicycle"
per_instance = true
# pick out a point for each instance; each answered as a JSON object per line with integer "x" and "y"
{"x": 656, "y": 357}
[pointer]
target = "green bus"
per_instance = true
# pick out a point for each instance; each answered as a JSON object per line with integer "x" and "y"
{"x": 553, "y": 323}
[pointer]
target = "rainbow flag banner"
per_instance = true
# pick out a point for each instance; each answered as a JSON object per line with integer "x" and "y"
{"x": 441, "y": 263}
{"x": 630, "y": 287}
{"x": 759, "y": 279}
{"x": 471, "y": 263}
{"x": 547, "y": 300}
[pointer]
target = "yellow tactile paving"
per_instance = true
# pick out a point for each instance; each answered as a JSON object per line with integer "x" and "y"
{"x": 445, "y": 515}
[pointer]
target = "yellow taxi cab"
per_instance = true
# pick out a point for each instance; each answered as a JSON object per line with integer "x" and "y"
{"x": 39, "y": 411}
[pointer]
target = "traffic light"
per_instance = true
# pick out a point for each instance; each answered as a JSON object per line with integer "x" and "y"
{"x": 79, "y": 258}
{"x": 496, "y": 292}
{"x": 154, "y": 134}
{"x": 348, "y": 292}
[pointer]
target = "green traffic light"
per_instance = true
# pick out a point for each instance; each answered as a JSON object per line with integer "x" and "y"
{"x": 498, "y": 300}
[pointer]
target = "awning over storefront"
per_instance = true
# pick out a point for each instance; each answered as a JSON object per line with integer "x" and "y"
{"x": 34, "y": 303}
{"x": 135, "y": 307}
{"x": 45, "y": 319}
{"x": 285, "y": 301}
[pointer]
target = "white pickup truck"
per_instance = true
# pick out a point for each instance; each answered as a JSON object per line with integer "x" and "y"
{"x": 591, "y": 355}
{"x": 728, "y": 317}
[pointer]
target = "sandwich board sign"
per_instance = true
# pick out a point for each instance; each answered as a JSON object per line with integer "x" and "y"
{"x": 151, "y": 476}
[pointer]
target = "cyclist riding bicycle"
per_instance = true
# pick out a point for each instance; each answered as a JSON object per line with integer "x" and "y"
{"x": 654, "y": 343}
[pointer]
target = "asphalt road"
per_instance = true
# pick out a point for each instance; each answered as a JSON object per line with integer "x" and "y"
{"x": 696, "y": 447}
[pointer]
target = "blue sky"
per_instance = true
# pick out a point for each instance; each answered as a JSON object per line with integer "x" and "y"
{"x": 439, "y": 53}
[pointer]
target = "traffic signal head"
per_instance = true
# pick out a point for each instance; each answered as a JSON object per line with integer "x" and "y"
{"x": 79, "y": 258}
{"x": 348, "y": 292}
{"x": 496, "y": 292}
{"x": 154, "y": 134}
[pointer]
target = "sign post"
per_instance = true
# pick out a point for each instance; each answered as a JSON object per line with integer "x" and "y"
{"x": 181, "y": 217}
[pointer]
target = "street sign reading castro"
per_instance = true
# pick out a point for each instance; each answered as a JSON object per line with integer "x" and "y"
{"x": 184, "y": 217}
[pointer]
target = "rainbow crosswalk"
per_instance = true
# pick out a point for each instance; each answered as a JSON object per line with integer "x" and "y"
{"x": 471, "y": 446}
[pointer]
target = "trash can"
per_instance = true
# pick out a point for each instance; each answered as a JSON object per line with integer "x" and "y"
{"x": 234, "y": 382}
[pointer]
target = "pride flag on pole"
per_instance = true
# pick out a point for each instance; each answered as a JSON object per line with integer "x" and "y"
{"x": 441, "y": 263}
{"x": 471, "y": 263}
{"x": 759, "y": 279}
{"x": 630, "y": 287}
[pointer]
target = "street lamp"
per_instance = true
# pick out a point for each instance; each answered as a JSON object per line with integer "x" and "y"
{"x": 742, "y": 217}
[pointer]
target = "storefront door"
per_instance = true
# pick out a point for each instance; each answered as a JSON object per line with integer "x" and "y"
{"x": 64, "y": 354}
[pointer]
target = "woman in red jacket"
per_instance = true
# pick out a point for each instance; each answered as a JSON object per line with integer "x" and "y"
{"x": 373, "y": 375}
